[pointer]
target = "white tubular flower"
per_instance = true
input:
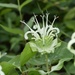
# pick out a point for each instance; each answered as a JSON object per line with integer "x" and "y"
{"x": 43, "y": 35}
{"x": 40, "y": 33}
{"x": 1, "y": 72}
{"x": 71, "y": 42}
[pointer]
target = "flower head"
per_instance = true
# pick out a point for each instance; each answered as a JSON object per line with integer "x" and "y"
{"x": 43, "y": 35}
{"x": 71, "y": 42}
{"x": 1, "y": 72}
{"x": 40, "y": 33}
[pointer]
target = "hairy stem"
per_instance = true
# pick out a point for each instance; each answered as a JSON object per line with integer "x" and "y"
{"x": 18, "y": 1}
{"x": 47, "y": 63}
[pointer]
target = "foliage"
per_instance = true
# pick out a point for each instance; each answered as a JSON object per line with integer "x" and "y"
{"x": 18, "y": 56}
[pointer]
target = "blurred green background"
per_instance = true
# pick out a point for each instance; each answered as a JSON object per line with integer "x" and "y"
{"x": 12, "y": 11}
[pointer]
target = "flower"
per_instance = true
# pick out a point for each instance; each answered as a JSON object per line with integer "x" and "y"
{"x": 43, "y": 36}
{"x": 70, "y": 43}
{"x": 1, "y": 72}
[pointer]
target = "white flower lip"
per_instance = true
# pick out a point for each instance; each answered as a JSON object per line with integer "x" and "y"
{"x": 39, "y": 33}
{"x": 71, "y": 42}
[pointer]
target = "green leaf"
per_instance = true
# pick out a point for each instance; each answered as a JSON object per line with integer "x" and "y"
{"x": 5, "y": 11}
{"x": 15, "y": 61}
{"x": 59, "y": 65}
{"x": 13, "y": 30}
{"x": 49, "y": 5}
{"x": 26, "y": 54}
{"x": 8, "y": 68}
{"x": 70, "y": 24}
{"x": 8, "y": 5}
{"x": 70, "y": 15}
{"x": 34, "y": 73}
{"x": 70, "y": 67}
{"x": 40, "y": 60}
{"x": 53, "y": 73}
{"x": 14, "y": 42}
{"x": 60, "y": 53}
{"x": 25, "y": 3}
{"x": 69, "y": 19}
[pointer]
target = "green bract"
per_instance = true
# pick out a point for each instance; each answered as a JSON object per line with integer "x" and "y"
{"x": 45, "y": 37}
{"x": 48, "y": 47}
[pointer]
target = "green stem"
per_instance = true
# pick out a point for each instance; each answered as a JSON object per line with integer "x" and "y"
{"x": 67, "y": 71}
{"x": 47, "y": 63}
{"x": 18, "y": 1}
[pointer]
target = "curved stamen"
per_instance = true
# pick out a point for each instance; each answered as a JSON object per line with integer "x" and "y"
{"x": 47, "y": 14}
{"x": 54, "y": 20}
{"x": 36, "y": 21}
{"x": 26, "y": 25}
{"x": 44, "y": 32}
{"x": 73, "y": 36}
{"x": 71, "y": 42}
{"x": 26, "y": 34}
{"x": 57, "y": 30}
{"x": 39, "y": 33}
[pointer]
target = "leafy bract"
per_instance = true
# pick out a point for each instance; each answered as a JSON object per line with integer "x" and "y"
{"x": 15, "y": 61}
{"x": 48, "y": 47}
{"x": 8, "y": 68}
{"x": 26, "y": 54}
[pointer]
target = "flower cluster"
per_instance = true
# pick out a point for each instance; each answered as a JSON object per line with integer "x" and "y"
{"x": 1, "y": 72}
{"x": 71, "y": 42}
{"x": 45, "y": 37}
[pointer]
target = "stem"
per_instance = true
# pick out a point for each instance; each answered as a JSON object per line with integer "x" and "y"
{"x": 18, "y": 1}
{"x": 47, "y": 63}
{"x": 67, "y": 71}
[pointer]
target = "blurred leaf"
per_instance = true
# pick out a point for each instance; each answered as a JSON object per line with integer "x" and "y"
{"x": 70, "y": 67}
{"x": 53, "y": 73}
{"x": 15, "y": 61}
{"x": 8, "y": 68}
{"x": 40, "y": 60}
{"x": 70, "y": 15}
{"x": 13, "y": 30}
{"x": 60, "y": 53}
{"x": 30, "y": 23}
{"x": 5, "y": 11}
{"x": 34, "y": 73}
{"x": 59, "y": 65}
{"x": 31, "y": 69}
{"x": 26, "y": 54}
{"x": 6, "y": 58}
{"x": 12, "y": 16}
{"x": 48, "y": 6}
{"x": 14, "y": 41}
{"x": 70, "y": 24}
{"x": 8, "y": 5}
{"x": 25, "y": 3}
